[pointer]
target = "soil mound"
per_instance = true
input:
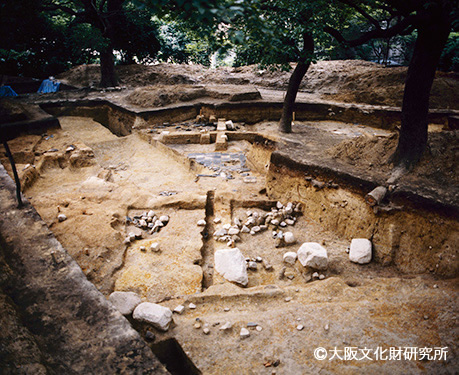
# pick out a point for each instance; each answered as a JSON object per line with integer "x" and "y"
{"x": 352, "y": 81}
{"x": 162, "y": 95}
{"x": 437, "y": 166}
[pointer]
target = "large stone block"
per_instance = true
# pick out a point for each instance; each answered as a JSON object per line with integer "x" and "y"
{"x": 360, "y": 251}
{"x": 158, "y": 316}
{"x": 312, "y": 255}
{"x": 231, "y": 264}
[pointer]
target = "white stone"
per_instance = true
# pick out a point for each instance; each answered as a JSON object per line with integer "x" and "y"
{"x": 151, "y": 213}
{"x": 256, "y": 228}
{"x": 229, "y": 125}
{"x": 289, "y": 221}
{"x": 201, "y": 223}
{"x": 289, "y": 238}
{"x": 125, "y": 302}
{"x": 155, "y": 247}
{"x": 315, "y": 275}
{"x": 290, "y": 257}
{"x": 233, "y": 231}
{"x": 299, "y": 327}
{"x": 217, "y": 220}
{"x": 321, "y": 277}
{"x": 311, "y": 254}
{"x": 279, "y": 205}
{"x": 158, "y": 316}
{"x": 61, "y": 217}
{"x": 244, "y": 333}
{"x": 230, "y": 263}
{"x": 227, "y": 326}
{"x": 206, "y": 331}
{"x": 164, "y": 219}
{"x": 360, "y": 251}
{"x": 192, "y": 306}
{"x": 252, "y": 265}
{"x": 250, "y": 221}
{"x": 143, "y": 223}
{"x": 275, "y": 222}
{"x": 259, "y": 328}
{"x": 220, "y": 233}
{"x": 179, "y": 309}
{"x": 227, "y": 226}
{"x": 283, "y": 224}
{"x": 245, "y": 229}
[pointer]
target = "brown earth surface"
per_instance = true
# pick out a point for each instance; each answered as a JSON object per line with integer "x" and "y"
{"x": 350, "y": 81}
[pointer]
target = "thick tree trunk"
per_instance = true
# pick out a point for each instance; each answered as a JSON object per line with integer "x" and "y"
{"x": 421, "y": 73}
{"x": 285, "y": 124}
{"x": 107, "y": 68}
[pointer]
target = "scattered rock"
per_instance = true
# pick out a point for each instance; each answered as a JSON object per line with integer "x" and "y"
{"x": 245, "y": 229}
{"x": 321, "y": 277}
{"x": 312, "y": 255}
{"x": 197, "y": 325}
{"x": 231, "y": 264}
{"x": 244, "y": 333}
{"x": 155, "y": 247}
{"x": 206, "y": 331}
{"x": 226, "y": 309}
{"x": 289, "y": 238}
{"x": 227, "y": 326}
{"x": 267, "y": 266}
{"x": 143, "y": 249}
{"x": 299, "y": 327}
{"x": 125, "y": 302}
{"x": 259, "y": 328}
{"x": 233, "y": 231}
{"x": 61, "y": 218}
{"x": 201, "y": 223}
{"x": 150, "y": 336}
{"x": 288, "y": 299}
{"x": 360, "y": 251}
{"x": 217, "y": 220}
{"x": 252, "y": 266}
{"x": 192, "y": 306}
{"x": 158, "y": 316}
{"x": 290, "y": 257}
{"x": 164, "y": 219}
{"x": 179, "y": 309}
{"x": 315, "y": 275}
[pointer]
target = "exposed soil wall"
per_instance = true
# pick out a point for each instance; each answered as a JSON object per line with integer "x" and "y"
{"x": 415, "y": 239}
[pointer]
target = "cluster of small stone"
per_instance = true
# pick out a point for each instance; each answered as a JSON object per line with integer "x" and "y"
{"x": 148, "y": 221}
{"x": 277, "y": 220}
{"x": 252, "y": 263}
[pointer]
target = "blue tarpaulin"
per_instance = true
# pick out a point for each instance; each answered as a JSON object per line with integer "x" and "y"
{"x": 49, "y": 85}
{"x": 7, "y": 91}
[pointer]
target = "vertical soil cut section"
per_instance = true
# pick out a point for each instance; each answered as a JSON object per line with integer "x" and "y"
{"x": 207, "y": 250}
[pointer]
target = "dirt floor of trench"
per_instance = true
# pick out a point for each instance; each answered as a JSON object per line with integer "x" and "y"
{"x": 97, "y": 180}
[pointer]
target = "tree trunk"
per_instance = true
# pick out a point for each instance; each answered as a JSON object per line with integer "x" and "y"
{"x": 429, "y": 45}
{"x": 107, "y": 68}
{"x": 285, "y": 124}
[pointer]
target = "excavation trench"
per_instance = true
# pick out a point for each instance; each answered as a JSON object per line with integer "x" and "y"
{"x": 162, "y": 161}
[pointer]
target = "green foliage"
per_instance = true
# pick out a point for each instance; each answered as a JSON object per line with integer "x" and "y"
{"x": 449, "y": 60}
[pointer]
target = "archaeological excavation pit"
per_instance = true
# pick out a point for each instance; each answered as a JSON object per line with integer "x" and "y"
{"x": 145, "y": 202}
